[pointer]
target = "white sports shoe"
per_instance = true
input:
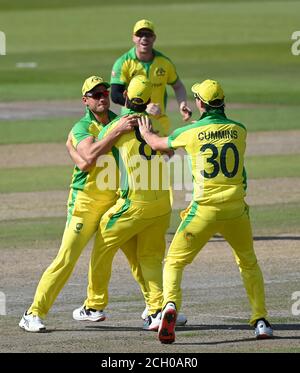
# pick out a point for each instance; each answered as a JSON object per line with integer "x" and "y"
{"x": 181, "y": 318}
{"x": 144, "y": 315}
{"x": 32, "y": 323}
{"x": 263, "y": 329}
{"x": 88, "y": 314}
{"x": 166, "y": 330}
{"x": 152, "y": 321}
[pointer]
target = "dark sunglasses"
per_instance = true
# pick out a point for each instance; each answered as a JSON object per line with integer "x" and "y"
{"x": 147, "y": 34}
{"x": 97, "y": 95}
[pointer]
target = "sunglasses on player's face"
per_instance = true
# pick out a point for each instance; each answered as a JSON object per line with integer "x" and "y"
{"x": 97, "y": 95}
{"x": 147, "y": 34}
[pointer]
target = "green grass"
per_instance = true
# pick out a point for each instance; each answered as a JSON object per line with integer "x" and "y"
{"x": 266, "y": 220}
{"x": 36, "y": 130}
{"x": 251, "y": 54}
{"x": 33, "y": 179}
{"x": 56, "y": 129}
{"x": 273, "y": 166}
{"x": 273, "y": 219}
{"x": 281, "y": 218}
{"x": 280, "y": 118}
{"x": 57, "y": 4}
{"x": 16, "y": 232}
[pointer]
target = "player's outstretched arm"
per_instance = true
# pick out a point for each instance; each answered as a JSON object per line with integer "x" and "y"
{"x": 151, "y": 138}
{"x": 90, "y": 150}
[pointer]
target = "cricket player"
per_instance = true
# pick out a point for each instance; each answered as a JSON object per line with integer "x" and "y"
{"x": 142, "y": 212}
{"x": 144, "y": 60}
{"x": 216, "y": 148}
{"x": 86, "y": 204}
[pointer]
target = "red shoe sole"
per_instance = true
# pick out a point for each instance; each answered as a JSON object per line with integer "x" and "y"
{"x": 166, "y": 332}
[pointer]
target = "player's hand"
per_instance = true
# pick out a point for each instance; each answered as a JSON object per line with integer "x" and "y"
{"x": 145, "y": 124}
{"x": 153, "y": 109}
{"x": 127, "y": 123}
{"x": 185, "y": 112}
{"x": 167, "y": 154}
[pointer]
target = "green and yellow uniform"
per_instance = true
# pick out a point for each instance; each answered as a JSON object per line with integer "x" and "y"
{"x": 86, "y": 204}
{"x": 216, "y": 147}
{"x": 160, "y": 71}
{"x": 142, "y": 213}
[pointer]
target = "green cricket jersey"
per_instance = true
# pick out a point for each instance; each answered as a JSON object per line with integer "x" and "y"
{"x": 87, "y": 181}
{"x": 160, "y": 71}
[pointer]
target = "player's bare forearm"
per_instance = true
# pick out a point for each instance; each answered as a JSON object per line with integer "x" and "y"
{"x": 181, "y": 97}
{"x": 156, "y": 142}
{"x": 90, "y": 150}
{"x": 79, "y": 161}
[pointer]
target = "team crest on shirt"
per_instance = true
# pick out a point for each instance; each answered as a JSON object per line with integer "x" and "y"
{"x": 160, "y": 71}
{"x": 188, "y": 236}
{"x": 78, "y": 227}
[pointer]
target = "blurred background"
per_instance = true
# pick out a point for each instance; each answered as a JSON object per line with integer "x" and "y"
{"x": 52, "y": 46}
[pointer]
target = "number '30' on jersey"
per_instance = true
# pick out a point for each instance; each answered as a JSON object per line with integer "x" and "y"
{"x": 215, "y": 146}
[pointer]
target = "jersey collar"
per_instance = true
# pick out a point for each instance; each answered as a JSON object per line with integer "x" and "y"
{"x": 127, "y": 111}
{"x": 214, "y": 113}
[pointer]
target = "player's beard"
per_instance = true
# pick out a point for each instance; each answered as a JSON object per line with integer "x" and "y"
{"x": 101, "y": 108}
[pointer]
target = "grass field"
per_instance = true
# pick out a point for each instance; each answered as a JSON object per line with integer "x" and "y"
{"x": 246, "y": 45}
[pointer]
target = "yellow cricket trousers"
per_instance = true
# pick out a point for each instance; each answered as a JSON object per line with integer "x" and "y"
{"x": 84, "y": 214}
{"x": 199, "y": 224}
{"x": 144, "y": 224}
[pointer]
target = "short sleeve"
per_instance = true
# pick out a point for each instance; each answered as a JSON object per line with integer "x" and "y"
{"x": 80, "y": 132}
{"x": 116, "y": 73}
{"x": 172, "y": 74}
{"x": 178, "y": 139}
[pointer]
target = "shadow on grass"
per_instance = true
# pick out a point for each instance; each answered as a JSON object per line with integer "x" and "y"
{"x": 226, "y": 341}
{"x": 261, "y": 238}
{"x": 186, "y": 328}
{"x": 276, "y": 238}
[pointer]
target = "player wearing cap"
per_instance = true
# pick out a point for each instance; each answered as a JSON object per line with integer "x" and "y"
{"x": 216, "y": 148}
{"x": 144, "y": 60}
{"x": 87, "y": 202}
{"x": 142, "y": 212}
